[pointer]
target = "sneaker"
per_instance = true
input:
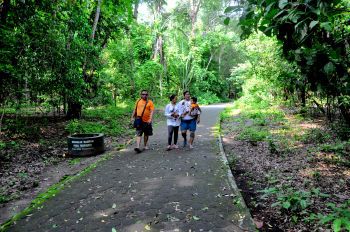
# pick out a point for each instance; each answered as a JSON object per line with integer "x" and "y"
{"x": 175, "y": 146}
{"x": 168, "y": 148}
{"x": 146, "y": 148}
{"x": 185, "y": 143}
{"x": 191, "y": 147}
{"x": 137, "y": 150}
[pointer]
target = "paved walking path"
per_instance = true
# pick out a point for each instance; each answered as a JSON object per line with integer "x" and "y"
{"x": 157, "y": 190}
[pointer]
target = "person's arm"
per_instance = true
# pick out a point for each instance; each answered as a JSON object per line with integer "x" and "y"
{"x": 134, "y": 112}
{"x": 183, "y": 107}
{"x": 151, "y": 116}
{"x": 133, "y": 115}
{"x": 151, "y": 109}
{"x": 167, "y": 112}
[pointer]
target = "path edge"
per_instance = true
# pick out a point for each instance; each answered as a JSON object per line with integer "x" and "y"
{"x": 233, "y": 184}
{"x": 55, "y": 188}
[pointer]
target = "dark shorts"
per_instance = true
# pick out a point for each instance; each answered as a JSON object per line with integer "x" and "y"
{"x": 189, "y": 125}
{"x": 146, "y": 128}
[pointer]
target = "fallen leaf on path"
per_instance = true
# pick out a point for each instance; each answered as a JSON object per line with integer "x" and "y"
{"x": 114, "y": 206}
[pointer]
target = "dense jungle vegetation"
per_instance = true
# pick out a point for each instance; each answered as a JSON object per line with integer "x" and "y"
{"x": 71, "y": 55}
{"x": 79, "y": 65}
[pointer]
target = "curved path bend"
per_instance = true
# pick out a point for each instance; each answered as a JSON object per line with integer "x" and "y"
{"x": 157, "y": 190}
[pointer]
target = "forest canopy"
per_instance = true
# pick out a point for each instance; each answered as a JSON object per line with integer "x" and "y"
{"x": 70, "y": 54}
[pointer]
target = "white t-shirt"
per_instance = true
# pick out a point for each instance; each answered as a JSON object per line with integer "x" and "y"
{"x": 185, "y": 106}
{"x": 169, "y": 109}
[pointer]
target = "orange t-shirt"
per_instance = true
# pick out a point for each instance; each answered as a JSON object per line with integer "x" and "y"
{"x": 140, "y": 106}
{"x": 194, "y": 105}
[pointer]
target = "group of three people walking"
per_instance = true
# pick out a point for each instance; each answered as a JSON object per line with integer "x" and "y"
{"x": 184, "y": 115}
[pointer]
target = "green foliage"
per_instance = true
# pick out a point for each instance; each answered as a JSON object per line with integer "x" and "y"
{"x": 74, "y": 126}
{"x": 290, "y": 200}
{"x": 338, "y": 218}
{"x": 74, "y": 161}
{"x": 109, "y": 120}
{"x": 226, "y": 113}
{"x": 294, "y": 201}
{"x": 262, "y": 117}
{"x": 2, "y": 145}
{"x": 316, "y": 135}
{"x": 253, "y": 134}
{"x": 48, "y": 55}
{"x": 313, "y": 35}
{"x": 22, "y": 127}
{"x": 4, "y": 199}
{"x": 208, "y": 98}
{"x": 341, "y": 129}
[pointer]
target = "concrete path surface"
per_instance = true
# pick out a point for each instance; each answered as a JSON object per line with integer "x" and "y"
{"x": 157, "y": 190}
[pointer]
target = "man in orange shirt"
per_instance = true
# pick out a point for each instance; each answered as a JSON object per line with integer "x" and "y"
{"x": 143, "y": 110}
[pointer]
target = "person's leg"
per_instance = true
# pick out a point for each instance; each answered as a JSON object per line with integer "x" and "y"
{"x": 176, "y": 135}
{"x": 148, "y": 131}
{"x": 184, "y": 135}
{"x": 145, "y": 140}
{"x": 138, "y": 140}
{"x": 170, "y": 134}
{"x": 193, "y": 127}
{"x": 184, "y": 128}
{"x": 192, "y": 133}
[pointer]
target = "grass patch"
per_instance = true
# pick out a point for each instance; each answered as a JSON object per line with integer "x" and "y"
{"x": 253, "y": 134}
{"x": 4, "y": 198}
{"x": 110, "y": 120}
{"x": 74, "y": 161}
{"x": 316, "y": 135}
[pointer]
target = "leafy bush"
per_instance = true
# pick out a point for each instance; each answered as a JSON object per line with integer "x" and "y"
{"x": 341, "y": 148}
{"x": 208, "y": 98}
{"x": 226, "y": 114}
{"x": 22, "y": 127}
{"x": 110, "y": 120}
{"x": 82, "y": 126}
{"x": 109, "y": 112}
{"x": 253, "y": 134}
{"x": 74, "y": 126}
{"x": 2, "y": 145}
{"x": 4, "y": 199}
{"x": 341, "y": 129}
{"x": 316, "y": 135}
{"x": 339, "y": 218}
{"x": 290, "y": 200}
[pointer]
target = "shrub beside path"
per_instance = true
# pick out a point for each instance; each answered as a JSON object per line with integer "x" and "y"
{"x": 157, "y": 190}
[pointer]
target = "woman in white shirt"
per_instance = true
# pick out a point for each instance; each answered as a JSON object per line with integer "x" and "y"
{"x": 173, "y": 121}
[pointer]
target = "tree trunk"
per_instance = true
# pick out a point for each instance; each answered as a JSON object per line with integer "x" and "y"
{"x": 158, "y": 51}
{"x": 5, "y": 7}
{"x": 132, "y": 67}
{"x": 97, "y": 16}
{"x": 345, "y": 113}
{"x": 195, "y": 4}
{"x": 74, "y": 109}
{"x": 2, "y": 114}
{"x": 303, "y": 96}
{"x": 136, "y": 9}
